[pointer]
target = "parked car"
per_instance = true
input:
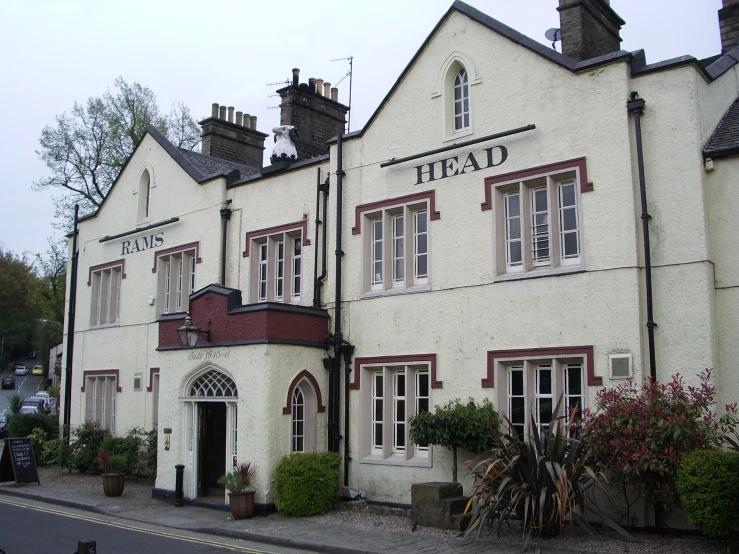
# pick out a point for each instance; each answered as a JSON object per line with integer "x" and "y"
{"x": 37, "y": 370}
{"x": 21, "y": 370}
{"x": 8, "y": 382}
{"x": 42, "y": 394}
{"x": 41, "y": 405}
{"x": 3, "y": 426}
{"x": 30, "y": 410}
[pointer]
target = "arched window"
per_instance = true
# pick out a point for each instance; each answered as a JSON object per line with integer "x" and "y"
{"x": 461, "y": 101}
{"x": 213, "y": 384}
{"x": 298, "y": 417}
{"x": 144, "y": 195}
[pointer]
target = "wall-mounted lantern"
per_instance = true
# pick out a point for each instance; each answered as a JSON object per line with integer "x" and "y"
{"x": 190, "y": 333}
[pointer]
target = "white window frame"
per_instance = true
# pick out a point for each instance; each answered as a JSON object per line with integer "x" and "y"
{"x": 273, "y": 275}
{"x": 385, "y": 433}
{"x": 106, "y": 296}
{"x": 461, "y": 101}
{"x": 532, "y": 394}
{"x": 391, "y": 263}
{"x": 542, "y": 234}
{"x": 100, "y": 400}
{"x": 175, "y": 287}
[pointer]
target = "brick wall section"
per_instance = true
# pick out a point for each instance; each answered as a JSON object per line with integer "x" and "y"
{"x": 728, "y": 21}
{"x": 232, "y": 142}
{"x": 316, "y": 117}
{"x": 589, "y": 28}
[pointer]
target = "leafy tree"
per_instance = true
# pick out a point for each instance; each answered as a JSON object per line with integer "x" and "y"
{"x": 17, "y": 313}
{"x": 48, "y": 289}
{"x": 86, "y": 148}
{"x": 455, "y": 425}
{"x": 640, "y": 434}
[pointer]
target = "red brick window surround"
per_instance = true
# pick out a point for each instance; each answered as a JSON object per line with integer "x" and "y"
{"x": 175, "y": 269}
{"x": 396, "y": 243}
{"x": 530, "y": 382}
{"x": 537, "y": 219}
{"x": 392, "y": 389}
{"x": 101, "y": 387}
{"x": 105, "y": 282}
{"x": 276, "y": 265}
{"x": 304, "y": 401}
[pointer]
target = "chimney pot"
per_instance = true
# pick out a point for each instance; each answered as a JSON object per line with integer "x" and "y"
{"x": 327, "y": 89}
{"x": 239, "y": 142}
{"x": 296, "y": 76}
{"x": 247, "y": 121}
{"x": 335, "y": 94}
{"x": 239, "y": 119}
{"x": 230, "y": 114}
{"x": 253, "y": 120}
{"x": 222, "y": 113}
{"x": 312, "y": 84}
{"x": 214, "y": 111}
{"x": 319, "y": 87}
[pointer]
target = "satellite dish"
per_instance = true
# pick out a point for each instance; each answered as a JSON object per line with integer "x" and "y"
{"x": 554, "y": 35}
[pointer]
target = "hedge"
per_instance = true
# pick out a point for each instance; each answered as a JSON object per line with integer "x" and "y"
{"x": 708, "y": 484}
{"x": 307, "y": 484}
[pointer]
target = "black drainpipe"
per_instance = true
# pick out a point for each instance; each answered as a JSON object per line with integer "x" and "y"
{"x": 225, "y": 216}
{"x": 70, "y": 328}
{"x": 318, "y": 279}
{"x": 335, "y": 390}
{"x": 348, "y": 350}
{"x": 636, "y": 106}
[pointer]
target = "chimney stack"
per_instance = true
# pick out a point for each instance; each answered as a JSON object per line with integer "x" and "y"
{"x": 238, "y": 141}
{"x": 590, "y": 28}
{"x": 728, "y": 21}
{"x": 314, "y": 110}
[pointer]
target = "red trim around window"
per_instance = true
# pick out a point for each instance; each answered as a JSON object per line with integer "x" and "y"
{"x": 429, "y": 195}
{"x": 302, "y": 225}
{"x": 102, "y": 373}
{"x": 578, "y": 163}
{"x": 181, "y": 248}
{"x": 152, "y": 371}
{"x": 555, "y": 352}
{"x": 407, "y": 358}
{"x": 106, "y": 265}
{"x": 305, "y": 374}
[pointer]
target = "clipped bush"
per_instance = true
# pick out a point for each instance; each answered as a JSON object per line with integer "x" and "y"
{"x": 87, "y": 440}
{"x": 708, "y": 484}
{"x": 456, "y": 425}
{"x": 133, "y": 446}
{"x": 307, "y": 484}
{"x": 22, "y": 425}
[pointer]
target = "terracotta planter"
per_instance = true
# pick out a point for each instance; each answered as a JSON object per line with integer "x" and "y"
{"x": 242, "y": 504}
{"x": 113, "y": 483}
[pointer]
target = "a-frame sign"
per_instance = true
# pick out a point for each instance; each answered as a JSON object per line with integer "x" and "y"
{"x": 18, "y": 462}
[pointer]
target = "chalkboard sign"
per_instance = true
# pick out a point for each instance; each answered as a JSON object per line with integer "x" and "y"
{"x": 18, "y": 462}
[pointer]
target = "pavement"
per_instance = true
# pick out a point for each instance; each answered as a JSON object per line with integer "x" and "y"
{"x": 298, "y": 533}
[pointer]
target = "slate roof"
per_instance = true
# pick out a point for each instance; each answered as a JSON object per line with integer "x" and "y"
{"x": 725, "y": 139}
{"x": 211, "y": 167}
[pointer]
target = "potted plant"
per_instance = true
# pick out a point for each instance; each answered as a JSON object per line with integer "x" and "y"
{"x": 237, "y": 482}
{"x": 114, "y": 475}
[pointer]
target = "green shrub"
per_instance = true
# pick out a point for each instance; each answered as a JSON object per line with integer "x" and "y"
{"x": 708, "y": 485}
{"x": 88, "y": 438}
{"x": 456, "y": 425}
{"x": 150, "y": 455}
{"x": 307, "y": 484}
{"x": 22, "y": 425}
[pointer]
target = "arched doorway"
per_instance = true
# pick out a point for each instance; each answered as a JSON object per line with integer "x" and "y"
{"x": 210, "y": 432}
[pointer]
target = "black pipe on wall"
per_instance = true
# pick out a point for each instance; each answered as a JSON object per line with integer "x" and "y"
{"x": 635, "y": 105}
{"x": 225, "y": 216}
{"x": 321, "y": 189}
{"x": 70, "y": 326}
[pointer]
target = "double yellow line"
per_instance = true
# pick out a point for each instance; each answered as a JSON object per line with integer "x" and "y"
{"x": 133, "y": 527}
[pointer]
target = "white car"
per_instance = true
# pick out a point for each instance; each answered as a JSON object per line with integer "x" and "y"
{"x": 29, "y": 410}
{"x": 21, "y": 370}
{"x": 43, "y": 394}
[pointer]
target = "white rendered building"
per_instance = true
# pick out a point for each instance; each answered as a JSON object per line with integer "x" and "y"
{"x": 490, "y": 215}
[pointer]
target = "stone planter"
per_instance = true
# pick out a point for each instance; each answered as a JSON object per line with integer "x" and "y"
{"x": 242, "y": 504}
{"x": 113, "y": 483}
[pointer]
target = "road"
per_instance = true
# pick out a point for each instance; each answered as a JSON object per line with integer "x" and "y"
{"x": 26, "y": 385}
{"x": 30, "y": 527}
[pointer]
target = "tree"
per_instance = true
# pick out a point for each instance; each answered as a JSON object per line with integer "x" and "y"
{"x": 17, "y": 313}
{"x": 86, "y": 149}
{"x": 48, "y": 289}
{"x": 456, "y": 425}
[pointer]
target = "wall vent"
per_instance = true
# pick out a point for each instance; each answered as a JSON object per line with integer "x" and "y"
{"x": 620, "y": 366}
{"x": 137, "y": 382}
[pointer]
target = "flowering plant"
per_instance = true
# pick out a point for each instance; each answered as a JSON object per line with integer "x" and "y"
{"x": 238, "y": 480}
{"x": 112, "y": 463}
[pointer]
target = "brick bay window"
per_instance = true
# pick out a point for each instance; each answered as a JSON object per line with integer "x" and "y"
{"x": 276, "y": 267}
{"x": 396, "y": 243}
{"x": 538, "y": 219}
{"x": 175, "y": 269}
{"x": 105, "y": 282}
{"x": 393, "y": 390}
{"x": 529, "y": 383}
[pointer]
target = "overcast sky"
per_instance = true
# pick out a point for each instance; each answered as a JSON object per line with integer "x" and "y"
{"x": 56, "y": 52}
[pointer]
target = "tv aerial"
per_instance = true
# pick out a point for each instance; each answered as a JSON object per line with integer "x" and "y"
{"x": 554, "y": 35}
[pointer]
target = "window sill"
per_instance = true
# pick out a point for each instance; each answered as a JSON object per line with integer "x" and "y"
{"x": 105, "y": 325}
{"x": 393, "y": 292}
{"x": 467, "y": 132}
{"x": 397, "y": 460}
{"x": 533, "y": 274}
